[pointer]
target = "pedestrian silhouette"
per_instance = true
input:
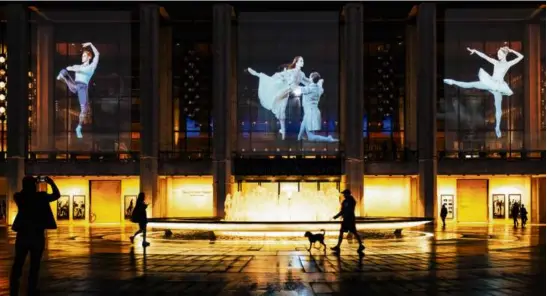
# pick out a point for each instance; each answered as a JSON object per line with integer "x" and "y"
{"x": 444, "y": 213}
{"x": 523, "y": 216}
{"x": 515, "y": 213}
{"x": 139, "y": 216}
{"x": 348, "y": 222}
{"x": 34, "y": 216}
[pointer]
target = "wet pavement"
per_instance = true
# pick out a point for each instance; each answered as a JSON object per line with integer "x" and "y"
{"x": 462, "y": 260}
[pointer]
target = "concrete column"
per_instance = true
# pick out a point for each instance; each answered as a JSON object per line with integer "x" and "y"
{"x": 353, "y": 106}
{"x": 17, "y": 109}
{"x": 223, "y": 92}
{"x": 166, "y": 88}
{"x": 534, "y": 138}
{"x": 150, "y": 98}
{"x": 411, "y": 40}
{"x": 45, "y": 104}
{"x": 427, "y": 100}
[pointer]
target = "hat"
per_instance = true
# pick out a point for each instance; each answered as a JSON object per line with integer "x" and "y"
{"x": 346, "y": 191}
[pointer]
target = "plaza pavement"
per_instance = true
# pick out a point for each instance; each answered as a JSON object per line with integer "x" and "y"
{"x": 459, "y": 260}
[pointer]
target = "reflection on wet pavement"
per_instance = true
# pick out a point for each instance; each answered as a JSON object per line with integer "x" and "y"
{"x": 470, "y": 260}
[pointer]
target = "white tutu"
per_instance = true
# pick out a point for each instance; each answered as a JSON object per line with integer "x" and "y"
{"x": 493, "y": 84}
{"x": 270, "y": 88}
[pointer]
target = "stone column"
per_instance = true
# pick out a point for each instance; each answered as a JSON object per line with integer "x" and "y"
{"x": 223, "y": 92}
{"x": 353, "y": 105}
{"x": 533, "y": 139}
{"x": 150, "y": 98}
{"x": 410, "y": 87}
{"x": 17, "y": 109}
{"x": 426, "y": 100}
{"x": 45, "y": 104}
{"x": 166, "y": 88}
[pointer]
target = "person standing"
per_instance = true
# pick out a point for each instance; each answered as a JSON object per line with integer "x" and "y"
{"x": 515, "y": 214}
{"x": 444, "y": 213}
{"x": 523, "y": 216}
{"x": 139, "y": 216}
{"x": 34, "y": 216}
{"x": 348, "y": 222}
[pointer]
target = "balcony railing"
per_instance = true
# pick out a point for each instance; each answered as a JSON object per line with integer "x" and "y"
{"x": 95, "y": 157}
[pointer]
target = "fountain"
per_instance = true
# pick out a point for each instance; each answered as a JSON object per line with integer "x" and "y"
{"x": 265, "y": 213}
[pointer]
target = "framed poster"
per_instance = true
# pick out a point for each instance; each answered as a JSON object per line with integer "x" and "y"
{"x": 498, "y": 206}
{"x": 129, "y": 202}
{"x": 3, "y": 209}
{"x": 78, "y": 207}
{"x": 63, "y": 207}
{"x": 448, "y": 200}
{"x": 514, "y": 199}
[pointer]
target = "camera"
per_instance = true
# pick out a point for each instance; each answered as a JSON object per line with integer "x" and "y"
{"x": 41, "y": 179}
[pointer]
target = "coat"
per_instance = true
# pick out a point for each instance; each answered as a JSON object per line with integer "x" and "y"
{"x": 34, "y": 212}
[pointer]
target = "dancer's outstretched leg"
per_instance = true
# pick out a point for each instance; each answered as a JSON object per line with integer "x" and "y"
{"x": 302, "y": 130}
{"x": 282, "y": 130}
{"x": 462, "y": 84}
{"x": 318, "y": 138}
{"x": 497, "y": 105}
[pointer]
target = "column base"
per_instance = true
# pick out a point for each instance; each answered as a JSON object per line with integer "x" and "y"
{"x": 149, "y": 185}
{"x": 222, "y": 185}
{"x": 354, "y": 176}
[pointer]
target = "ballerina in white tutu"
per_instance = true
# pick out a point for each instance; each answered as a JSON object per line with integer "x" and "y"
{"x": 312, "y": 115}
{"x": 494, "y": 83}
{"x": 274, "y": 91}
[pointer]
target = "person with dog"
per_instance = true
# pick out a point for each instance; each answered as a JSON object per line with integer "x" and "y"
{"x": 348, "y": 222}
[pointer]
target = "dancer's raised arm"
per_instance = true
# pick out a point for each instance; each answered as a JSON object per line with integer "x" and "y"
{"x": 482, "y": 55}
{"x": 517, "y": 59}
{"x": 74, "y": 68}
{"x": 95, "y": 53}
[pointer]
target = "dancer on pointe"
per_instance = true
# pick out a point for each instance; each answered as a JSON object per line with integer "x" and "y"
{"x": 274, "y": 91}
{"x": 312, "y": 115}
{"x": 82, "y": 76}
{"x": 495, "y": 83}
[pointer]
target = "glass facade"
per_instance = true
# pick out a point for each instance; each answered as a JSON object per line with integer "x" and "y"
{"x": 384, "y": 85}
{"x": 192, "y": 88}
{"x": 479, "y": 108}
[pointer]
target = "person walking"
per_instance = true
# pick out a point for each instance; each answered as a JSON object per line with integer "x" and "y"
{"x": 444, "y": 213}
{"x": 523, "y": 216}
{"x": 34, "y": 216}
{"x": 139, "y": 216}
{"x": 515, "y": 214}
{"x": 348, "y": 222}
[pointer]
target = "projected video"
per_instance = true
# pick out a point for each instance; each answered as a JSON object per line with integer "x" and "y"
{"x": 493, "y": 83}
{"x": 288, "y": 86}
{"x": 82, "y": 68}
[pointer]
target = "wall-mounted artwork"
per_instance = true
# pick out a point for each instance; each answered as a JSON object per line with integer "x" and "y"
{"x": 78, "y": 207}
{"x": 448, "y": 200}
{"x": 514, "y": 199}
{"x": 63, "y": 207}
{"x": 129, "y": 202}
{"x": 3, "y": 209}
{"x": 498, "y": 206}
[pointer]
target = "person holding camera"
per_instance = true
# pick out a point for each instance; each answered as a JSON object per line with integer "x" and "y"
{"x": 34, "y": 216}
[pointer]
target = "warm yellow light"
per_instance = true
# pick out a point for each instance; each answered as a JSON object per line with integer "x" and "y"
{"x": 262, "y": 204}
{"x": 2, "y": 110}
{"x": 29, "y": 74}
{"x": 2, "y": 97}
{"x": 30, "y": 85}
{"x": 2, "y": 72}
{"x": 2, "y": 59}
{"x": 2, "y": 84}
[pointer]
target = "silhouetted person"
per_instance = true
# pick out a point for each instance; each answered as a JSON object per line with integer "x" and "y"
{"x": 444, "y": 213}
{"x": 348, "y": 221}
{"x": 515, "y": 213}
{"x": 34, "y": 216}
{"x": 139, "y": 216}
{"x": 523, "y": 215}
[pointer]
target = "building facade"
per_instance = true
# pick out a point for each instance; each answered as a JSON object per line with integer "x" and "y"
{"x": 173, "y": 110}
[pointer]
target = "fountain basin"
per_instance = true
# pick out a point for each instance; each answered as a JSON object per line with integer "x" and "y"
{"x": 276, "y": 229}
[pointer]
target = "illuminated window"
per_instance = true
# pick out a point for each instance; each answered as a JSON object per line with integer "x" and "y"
{"x": 3, "y": 90}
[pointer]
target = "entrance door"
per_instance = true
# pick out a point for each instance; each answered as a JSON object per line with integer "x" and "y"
{"x": 472, "y": 199}
{"x": 106, "y": 202}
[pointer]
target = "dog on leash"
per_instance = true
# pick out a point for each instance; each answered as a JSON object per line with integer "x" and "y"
{"x": 316, "y": 237}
